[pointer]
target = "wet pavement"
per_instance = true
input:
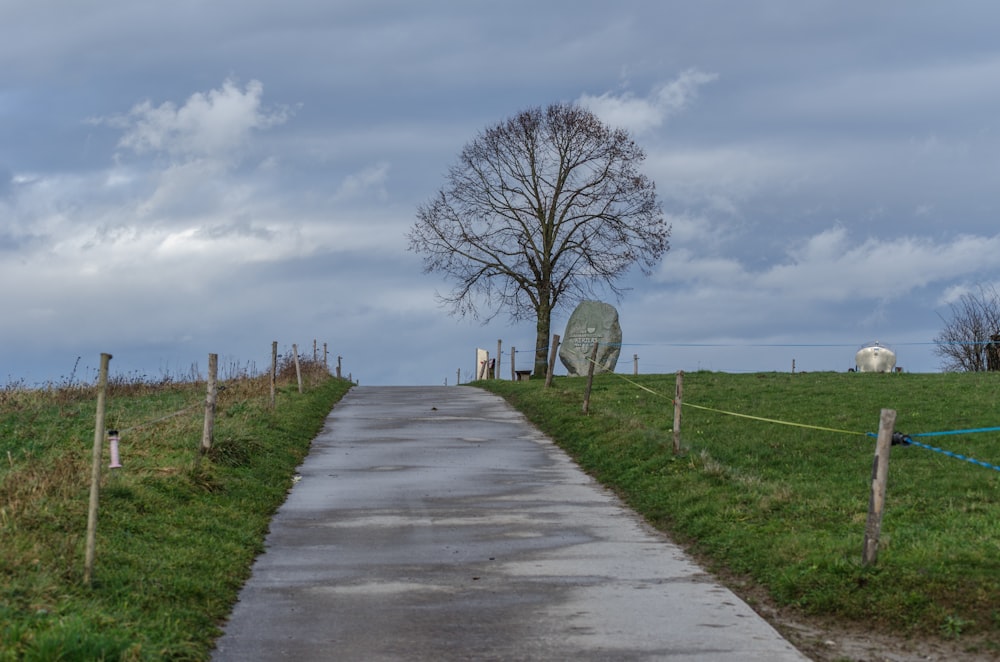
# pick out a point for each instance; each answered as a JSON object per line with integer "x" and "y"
{"x": 436, "y": 523}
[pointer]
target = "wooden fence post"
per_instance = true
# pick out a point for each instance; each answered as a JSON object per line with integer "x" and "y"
{"x": 678, "y": 400}
{"x": 95, "y": 470}
{"x": 635, "y": 364}
{"x": 298, "y": 369}
{"x": 880, "y": 473}
{"x": 274, "y": 370}
{"x": 211, "y": 396}
{"x": 513, "y": 368}
{"x": 338, "y": 366}
{"x": 590, "y": 379}
{"x": 496, "y": 364}
{"x": 326, "y": 364}
{"x": 552, "y": 360}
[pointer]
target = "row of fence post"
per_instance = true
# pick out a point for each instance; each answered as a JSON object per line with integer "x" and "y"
{"x": 514, "y": 372}
{"x": 880, "y": 464}
{"x": 207, "y": 436}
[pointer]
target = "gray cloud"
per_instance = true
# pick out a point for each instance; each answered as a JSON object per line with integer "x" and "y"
{"x": 212, "y": 177}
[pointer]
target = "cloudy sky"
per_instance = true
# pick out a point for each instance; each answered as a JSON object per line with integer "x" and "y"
{"x": 179, "y": 178}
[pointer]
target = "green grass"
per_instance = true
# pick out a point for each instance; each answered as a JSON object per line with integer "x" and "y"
{"x": 783, "y": 507}
{"x": 780, "y": 507}
{"x": 176, "y": 534}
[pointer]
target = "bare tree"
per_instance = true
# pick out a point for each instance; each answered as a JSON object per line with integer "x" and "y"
{"x": 968, "y": 342}
{"x": 541, "y": 210}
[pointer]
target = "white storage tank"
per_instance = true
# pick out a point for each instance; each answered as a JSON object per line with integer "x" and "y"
{"x": 875, "y": 357}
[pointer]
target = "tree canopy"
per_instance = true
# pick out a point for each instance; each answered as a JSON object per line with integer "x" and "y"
{"x": 541, "y": 210}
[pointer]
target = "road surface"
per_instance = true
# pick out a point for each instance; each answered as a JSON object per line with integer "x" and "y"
{"x": 436, "y": 523}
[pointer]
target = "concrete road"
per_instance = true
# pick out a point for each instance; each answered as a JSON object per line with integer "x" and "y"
{"x": 436, "y": 523}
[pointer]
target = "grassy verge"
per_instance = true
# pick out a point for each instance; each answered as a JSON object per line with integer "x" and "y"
{"x": 176, "y": 536}
{"x": 785, "y": 507}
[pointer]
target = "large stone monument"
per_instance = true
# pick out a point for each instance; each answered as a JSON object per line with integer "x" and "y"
{"x": 592, "y": 321}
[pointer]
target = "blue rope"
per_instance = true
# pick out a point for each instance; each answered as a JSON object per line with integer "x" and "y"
{"x": 941, "y": 434}
{"x": 907, "y": 440}
{"x": 957, "y": 456}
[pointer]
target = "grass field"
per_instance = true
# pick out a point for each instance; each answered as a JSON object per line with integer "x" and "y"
{"x": 761, "y": 504}
{"x": 784, "y": 507}
{"x": 175, "y": 536}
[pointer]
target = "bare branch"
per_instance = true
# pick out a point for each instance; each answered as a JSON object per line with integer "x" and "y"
{"x": 540, "y": 211}
{"x": 975, "y": 321}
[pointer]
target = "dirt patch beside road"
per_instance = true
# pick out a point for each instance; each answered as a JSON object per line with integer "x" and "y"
{"x": 825, "y": 640}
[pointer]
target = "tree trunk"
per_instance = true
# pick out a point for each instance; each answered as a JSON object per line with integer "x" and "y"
{"x": 542, "y": 328}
